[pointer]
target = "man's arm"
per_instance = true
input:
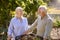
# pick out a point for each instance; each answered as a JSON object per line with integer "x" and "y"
{"x": 10, "y": 30}
{"x": 48, "y": 29}
{"x": 32, "y": 27}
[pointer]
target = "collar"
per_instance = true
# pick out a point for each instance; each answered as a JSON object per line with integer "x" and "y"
{"x": 44, "y": 17}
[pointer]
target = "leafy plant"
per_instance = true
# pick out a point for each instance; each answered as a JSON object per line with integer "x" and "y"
{"x": 57, "y": 24}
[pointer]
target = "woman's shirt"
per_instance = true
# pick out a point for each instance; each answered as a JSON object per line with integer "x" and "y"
{"x": 17, "y": 27}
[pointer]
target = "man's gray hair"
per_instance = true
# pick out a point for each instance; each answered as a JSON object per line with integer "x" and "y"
{"x": 18, "y": 8}
{"x": 44, "y": 7}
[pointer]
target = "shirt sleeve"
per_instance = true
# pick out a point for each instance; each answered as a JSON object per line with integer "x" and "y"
{"x": 48, "y": 29}
{"x": 33, "y": 26}
{"x": 26, "y": 26}
{"x": 10, "y": 29}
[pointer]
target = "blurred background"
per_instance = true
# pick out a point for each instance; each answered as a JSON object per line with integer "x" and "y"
{"x": 7, "y": 11}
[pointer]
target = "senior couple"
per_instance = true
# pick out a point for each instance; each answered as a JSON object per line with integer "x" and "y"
{"x": 19, "y": 24}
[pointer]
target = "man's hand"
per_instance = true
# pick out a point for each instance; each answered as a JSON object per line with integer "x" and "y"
{"x": 44, "y": 39}
{"x": 9, "y": 38}
{"x": 27, "y": 32}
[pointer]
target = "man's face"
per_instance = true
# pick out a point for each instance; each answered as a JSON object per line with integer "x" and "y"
{"x": 41, "y": 12}
{"x": 19, "y": 13}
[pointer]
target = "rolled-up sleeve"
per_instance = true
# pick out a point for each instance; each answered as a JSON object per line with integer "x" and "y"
{"x": 10, "y": 29}
{"x": 48, "y": 29}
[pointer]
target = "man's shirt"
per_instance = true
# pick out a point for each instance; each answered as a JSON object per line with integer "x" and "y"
{"x": 17, "y": 27}
{"x": 44, "y": 26}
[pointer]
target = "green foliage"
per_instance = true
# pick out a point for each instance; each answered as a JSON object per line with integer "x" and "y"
{"x": 47, "y": 1}
{"x": 57, "y": 24}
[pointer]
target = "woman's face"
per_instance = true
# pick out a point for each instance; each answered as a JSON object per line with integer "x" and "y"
{"x": 19, "y": 13}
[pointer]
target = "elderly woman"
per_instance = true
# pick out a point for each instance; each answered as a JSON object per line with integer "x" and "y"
{"x": 43, "y": 22}
{"x": 18, "y": 24}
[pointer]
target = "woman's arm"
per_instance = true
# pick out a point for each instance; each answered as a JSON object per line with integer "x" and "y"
{"x": 10, "y": 30}
{"x": 26, "y": 24}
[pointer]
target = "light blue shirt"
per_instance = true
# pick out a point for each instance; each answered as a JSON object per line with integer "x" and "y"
{"x": 17, "y": 27}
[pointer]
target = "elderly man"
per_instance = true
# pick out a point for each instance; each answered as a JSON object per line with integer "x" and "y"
{"x": 18, "y": 24}
{"x": 43, "y": 22}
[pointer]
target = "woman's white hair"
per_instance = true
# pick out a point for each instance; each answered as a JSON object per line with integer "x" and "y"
{"x": 18, "y": 8}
